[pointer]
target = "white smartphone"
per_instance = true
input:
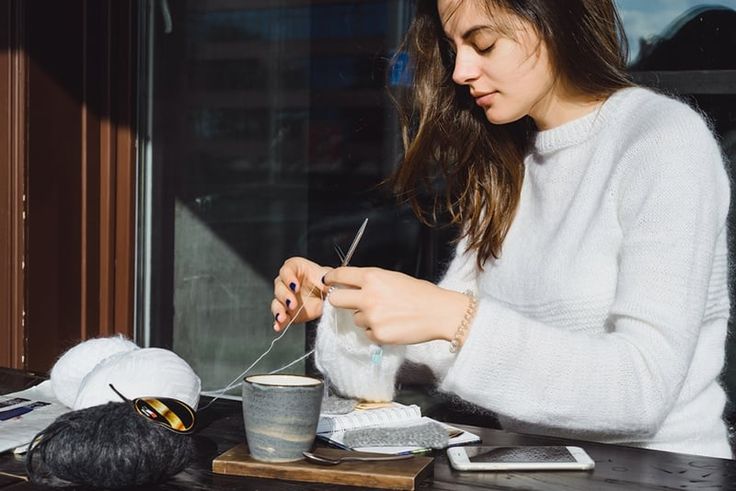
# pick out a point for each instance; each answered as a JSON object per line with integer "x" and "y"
{"x": 532, "y": 458}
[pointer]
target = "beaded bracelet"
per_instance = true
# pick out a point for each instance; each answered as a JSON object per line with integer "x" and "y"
{"x": 459, "y": 337}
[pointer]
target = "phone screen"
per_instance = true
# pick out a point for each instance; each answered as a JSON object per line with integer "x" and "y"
{"x": 519, "y": 454}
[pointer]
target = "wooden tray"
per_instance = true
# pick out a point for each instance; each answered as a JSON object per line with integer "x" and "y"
{"x": 399, "y": 474}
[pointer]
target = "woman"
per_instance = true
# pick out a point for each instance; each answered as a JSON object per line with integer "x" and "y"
{"x": 588, "y": 294}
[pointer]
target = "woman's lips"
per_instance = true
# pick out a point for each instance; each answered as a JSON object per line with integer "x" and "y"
{"x": 485, "y": 99}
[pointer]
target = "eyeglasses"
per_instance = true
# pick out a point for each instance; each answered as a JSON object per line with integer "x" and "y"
{"x": 170, "y": 413}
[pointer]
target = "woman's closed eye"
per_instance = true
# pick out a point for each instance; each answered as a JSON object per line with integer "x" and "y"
{"x": 484, "y": 49}
{"x": 483, "y": 44}
{"x": 483, "y": 40}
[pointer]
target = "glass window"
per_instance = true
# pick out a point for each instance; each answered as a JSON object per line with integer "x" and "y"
{"x": 694, "y": 40}
{"x": 267, "y": 131}
{"x": 270, "y": 132}
{"x": 681, "y": 34}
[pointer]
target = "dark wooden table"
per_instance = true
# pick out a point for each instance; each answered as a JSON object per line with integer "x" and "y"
{"x": 617, "y": 467}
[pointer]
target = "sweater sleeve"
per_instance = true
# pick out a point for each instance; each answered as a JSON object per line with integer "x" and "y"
{"x": 672, "y": 199}
{"x": 461, "y": 276}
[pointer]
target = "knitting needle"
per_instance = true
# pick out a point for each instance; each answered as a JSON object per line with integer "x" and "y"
{"x": 354, "y": 245}
{"x": 351, "y": 250}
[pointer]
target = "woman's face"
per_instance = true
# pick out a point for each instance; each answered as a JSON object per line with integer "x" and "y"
{"x": 501, "y": 60}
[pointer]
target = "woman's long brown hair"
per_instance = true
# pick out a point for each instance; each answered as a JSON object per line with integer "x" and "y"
{"x": 447, "y": 138}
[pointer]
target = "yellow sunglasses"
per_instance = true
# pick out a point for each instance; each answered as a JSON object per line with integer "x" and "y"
{"x": 172, "y": 414}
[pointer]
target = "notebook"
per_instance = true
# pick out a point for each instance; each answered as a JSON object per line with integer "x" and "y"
{"x": 332, "y": 428}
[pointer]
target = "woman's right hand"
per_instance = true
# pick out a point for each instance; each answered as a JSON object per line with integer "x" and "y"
{"x": 298, "y": 292}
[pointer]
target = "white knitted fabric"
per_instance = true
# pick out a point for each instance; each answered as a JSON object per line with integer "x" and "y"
{"x": 375, "y": 381}
{"x": 605, "y": 317}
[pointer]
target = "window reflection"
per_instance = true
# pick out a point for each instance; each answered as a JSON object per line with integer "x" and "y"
{"x": 655, "y": 21}
{"x": 272, "y": 134}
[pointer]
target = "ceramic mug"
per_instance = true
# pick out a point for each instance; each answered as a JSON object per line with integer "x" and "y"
{"x": 281, "y": 414}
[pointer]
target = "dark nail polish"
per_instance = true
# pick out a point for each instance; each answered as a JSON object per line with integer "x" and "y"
{"x": 276, "y": 317}
{"x": 288, "y": 302}
{"x": 292, "y": 285}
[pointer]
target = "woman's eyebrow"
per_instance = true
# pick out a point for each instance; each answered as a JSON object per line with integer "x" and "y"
{"x": 468, "y": 34}
{"x": 474, "y": 30}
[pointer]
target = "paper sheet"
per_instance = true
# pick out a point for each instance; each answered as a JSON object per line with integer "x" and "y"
{"x": 17, "y": 432}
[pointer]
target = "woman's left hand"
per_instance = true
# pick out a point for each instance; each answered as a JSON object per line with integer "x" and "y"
{"x": 395, "y": 308}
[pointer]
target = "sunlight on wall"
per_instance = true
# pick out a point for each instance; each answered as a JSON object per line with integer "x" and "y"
{"x": 222, "y": 316}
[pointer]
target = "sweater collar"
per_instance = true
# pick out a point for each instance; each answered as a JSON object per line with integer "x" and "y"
{"x": 580, "y": 129}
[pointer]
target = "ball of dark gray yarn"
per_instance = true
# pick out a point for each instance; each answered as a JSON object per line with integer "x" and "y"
{"x": 109, "y": 446}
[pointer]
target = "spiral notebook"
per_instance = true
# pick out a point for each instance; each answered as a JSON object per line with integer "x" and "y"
{"x": 332, "y": 428}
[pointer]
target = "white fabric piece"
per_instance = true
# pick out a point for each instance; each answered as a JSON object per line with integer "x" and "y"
{"x": 605, "y": 317}
{"x": 69, "y": 370}
{"x": 358, "y": 351}
{"x": 144, "y": 372}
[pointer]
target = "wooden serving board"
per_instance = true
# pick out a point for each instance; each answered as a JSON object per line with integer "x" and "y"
{"x": 398, "y": 474}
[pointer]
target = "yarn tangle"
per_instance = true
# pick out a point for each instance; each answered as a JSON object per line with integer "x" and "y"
{"x": 109, "y": 446}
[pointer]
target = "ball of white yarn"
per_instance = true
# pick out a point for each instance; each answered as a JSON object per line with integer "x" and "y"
{"x": 144, "y": 372}
{"x": 69, "y": 370}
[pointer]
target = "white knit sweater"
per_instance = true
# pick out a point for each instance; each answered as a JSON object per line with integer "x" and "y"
{"x": 605, "y": 317}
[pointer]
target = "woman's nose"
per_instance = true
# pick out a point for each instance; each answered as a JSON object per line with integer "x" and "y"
{"x": 466, "y": 69}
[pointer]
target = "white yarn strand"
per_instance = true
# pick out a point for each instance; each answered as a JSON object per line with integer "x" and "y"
{"x": 220, "y": 392}
{"x": 344, "y": 260}
{"x": 303, "y": 357}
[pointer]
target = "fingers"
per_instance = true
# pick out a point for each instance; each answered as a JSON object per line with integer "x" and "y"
{"x": 302, "y": 284}
{"x": 298, "y": 292}
{"x": 283, "y": 305}
{"x": 288, "y": 307}
{"x": 354, "y": 287}
{"x": 349, "y": 276}
{"x": 347, "y": 298}
{"x": 285, "y": 294}
{"x": 280, "y": 316}
{"x": 360, "y": 320}
{"x": 298, "y": 273}
{"x": 291, "y": 273}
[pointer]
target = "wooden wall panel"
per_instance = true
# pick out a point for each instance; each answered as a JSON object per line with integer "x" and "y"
{"x": 109, "y": 167}
{"x": 12, "y": 159}
{"x": 81, "y": 179}
{"x": 122, "y": 175}
{"x": 55, "y": 48}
